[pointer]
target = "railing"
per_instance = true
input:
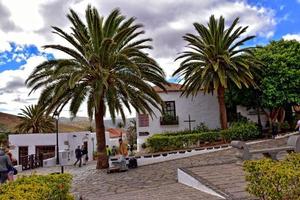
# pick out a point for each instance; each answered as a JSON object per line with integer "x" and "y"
{"x": 169, "y": 120}
{"x": 34, "y": 161}
{"x": 31, "y": 161}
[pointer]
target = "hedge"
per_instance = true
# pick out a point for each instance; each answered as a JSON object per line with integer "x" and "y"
{"x": 274, "y": 180}
{"x": 184, "y": 139}
{"x": 48, "y": 187}
{"x": 240, "y": 131}
{"x": 167, "y": 142}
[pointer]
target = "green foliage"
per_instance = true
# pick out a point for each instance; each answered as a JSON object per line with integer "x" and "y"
{"x": 48, "y": 187}
{"x": 185, "y": 139}
{"x": 34, "y": 118}
{"x": 217, "y": 59}
{"x": 108, "y": 63}
{"x": 3, "y": 128}
{"x": 3, "y": 139}
{"x": 240, "y": 131}
{"x": 281, "y": 74}
{"x": 202, "y": 127}
{"x": 274, "y": 180}
{"x": 284, "y": 126}
{"x": 131, "y": 132}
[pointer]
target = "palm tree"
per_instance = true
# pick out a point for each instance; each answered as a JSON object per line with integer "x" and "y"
{"x": 215, "y": 60}
{"x": 33, "y": 119}
{"x": 107, "y": 68}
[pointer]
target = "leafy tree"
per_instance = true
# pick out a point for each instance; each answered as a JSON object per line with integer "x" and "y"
{"x": 281, "y": 77}
{"x": 131, "y": 132}
{"x": 215, "y": 60}
{"x": 34, "y": 119}
{"x": 107, "y": 67}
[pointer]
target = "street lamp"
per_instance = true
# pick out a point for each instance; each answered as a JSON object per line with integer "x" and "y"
{"x": 56, "y": 116}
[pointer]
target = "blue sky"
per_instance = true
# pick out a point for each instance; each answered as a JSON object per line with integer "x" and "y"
{"x": 25, "y": 27}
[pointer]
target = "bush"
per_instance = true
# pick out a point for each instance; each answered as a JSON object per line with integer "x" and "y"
{"x": 202, "y": 127}
{"x": 240, "y": 131}
{"x": 144, "y": 146}
{"x": 169, "y": 142}
{"x": 48, "y": 187}
{"x": 186, "y": 139}
{"x": 272, "y": 180}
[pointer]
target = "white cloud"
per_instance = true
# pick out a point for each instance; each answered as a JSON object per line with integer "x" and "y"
{"x": 12, "y": 87}
{"x": 292, "y": 36}
{"x": 165, "y": 21}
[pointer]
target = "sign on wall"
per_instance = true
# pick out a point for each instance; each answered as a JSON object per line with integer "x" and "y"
{"x": 143, "y": 120}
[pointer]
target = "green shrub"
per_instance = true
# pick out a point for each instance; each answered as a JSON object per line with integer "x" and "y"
{"x": 273, "y": 180}
{"x": 186, "y": 139}
{"x": 202, "y": 127}
{"x": 285, "y": 126}
{"x": 240, "y": 131}
{"x": 48, "y": 187}
{"x": 169, "y": 142}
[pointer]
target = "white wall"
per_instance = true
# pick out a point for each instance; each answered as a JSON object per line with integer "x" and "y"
{"x": 251, "y": 115}
{"x": 202, "y": 108}
{"x": 42, "y": 139}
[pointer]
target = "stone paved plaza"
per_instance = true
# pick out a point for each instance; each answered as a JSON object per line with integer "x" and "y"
{"x": 159, "y": 181}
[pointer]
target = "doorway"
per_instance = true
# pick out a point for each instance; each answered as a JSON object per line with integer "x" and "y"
{"x": 23, "y": 154}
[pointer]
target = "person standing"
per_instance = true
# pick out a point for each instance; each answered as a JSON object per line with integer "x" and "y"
{"x": 78, "y": 154}
{"x": 5, "y": 165}
{"x": 108, "y": 151}
{"x": 11, "y": 170}
{"x": 84, "y": 154}
{"x": 123, "y": 149}
{"x": 298, "y": 126}
{"x": 123, "y": 152}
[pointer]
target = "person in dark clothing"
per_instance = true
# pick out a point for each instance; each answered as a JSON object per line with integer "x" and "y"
{"x": 5, "y": 164}
{"x": 84, "y": 154}
{"x": 78, "y": 154}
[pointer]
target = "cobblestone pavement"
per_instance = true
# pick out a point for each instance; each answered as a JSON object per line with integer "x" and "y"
{"x": 230, "y": 178}
{"x": 156, "y": 181}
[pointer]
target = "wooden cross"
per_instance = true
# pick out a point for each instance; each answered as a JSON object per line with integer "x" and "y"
{"x": 190, "y": 121}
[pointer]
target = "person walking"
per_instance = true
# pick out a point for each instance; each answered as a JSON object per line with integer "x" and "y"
{"x": 11, "y": 171}
{"x": 78, "y": 154}
{"x": 84, "y": 154}
{"x": 297, "y": 128}
{"x": 5, "y": 165}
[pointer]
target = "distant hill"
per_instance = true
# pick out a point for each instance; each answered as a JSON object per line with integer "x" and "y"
{"x": 8, "y": 123}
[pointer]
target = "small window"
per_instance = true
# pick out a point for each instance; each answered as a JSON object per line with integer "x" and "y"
{"x": 169, "y": 109}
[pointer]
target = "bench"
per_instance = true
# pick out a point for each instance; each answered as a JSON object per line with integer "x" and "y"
{"x": 293, "y": 145}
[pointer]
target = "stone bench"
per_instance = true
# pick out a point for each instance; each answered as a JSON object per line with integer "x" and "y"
{"x": 293, "y": 145}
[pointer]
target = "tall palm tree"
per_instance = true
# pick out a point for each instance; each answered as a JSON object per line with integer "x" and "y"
{"x": 107, "y": 68}
{"x": 34, "y": 119}
{"x": 216, "y": 58}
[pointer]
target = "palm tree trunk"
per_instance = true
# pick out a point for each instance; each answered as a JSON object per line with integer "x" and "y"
{"x": 102, "y": 161}
{"x": 222, "y": 107}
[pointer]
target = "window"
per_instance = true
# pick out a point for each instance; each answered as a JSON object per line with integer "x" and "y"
{"x": 48, "y": 151}
{"x": 169, "y": 114}
{"x": 169, "y": 109}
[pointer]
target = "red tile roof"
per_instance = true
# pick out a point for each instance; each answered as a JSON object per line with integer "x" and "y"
{"x": 172, "y": 87}
{"x": 115, "y": 132}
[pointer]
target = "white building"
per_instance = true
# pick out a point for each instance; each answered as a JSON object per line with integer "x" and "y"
{"x": 28, "y": 144}
{"x": 201, "y": 108}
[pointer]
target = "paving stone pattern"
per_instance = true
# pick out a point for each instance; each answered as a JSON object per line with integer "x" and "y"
{"x": 156, "y": 181}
